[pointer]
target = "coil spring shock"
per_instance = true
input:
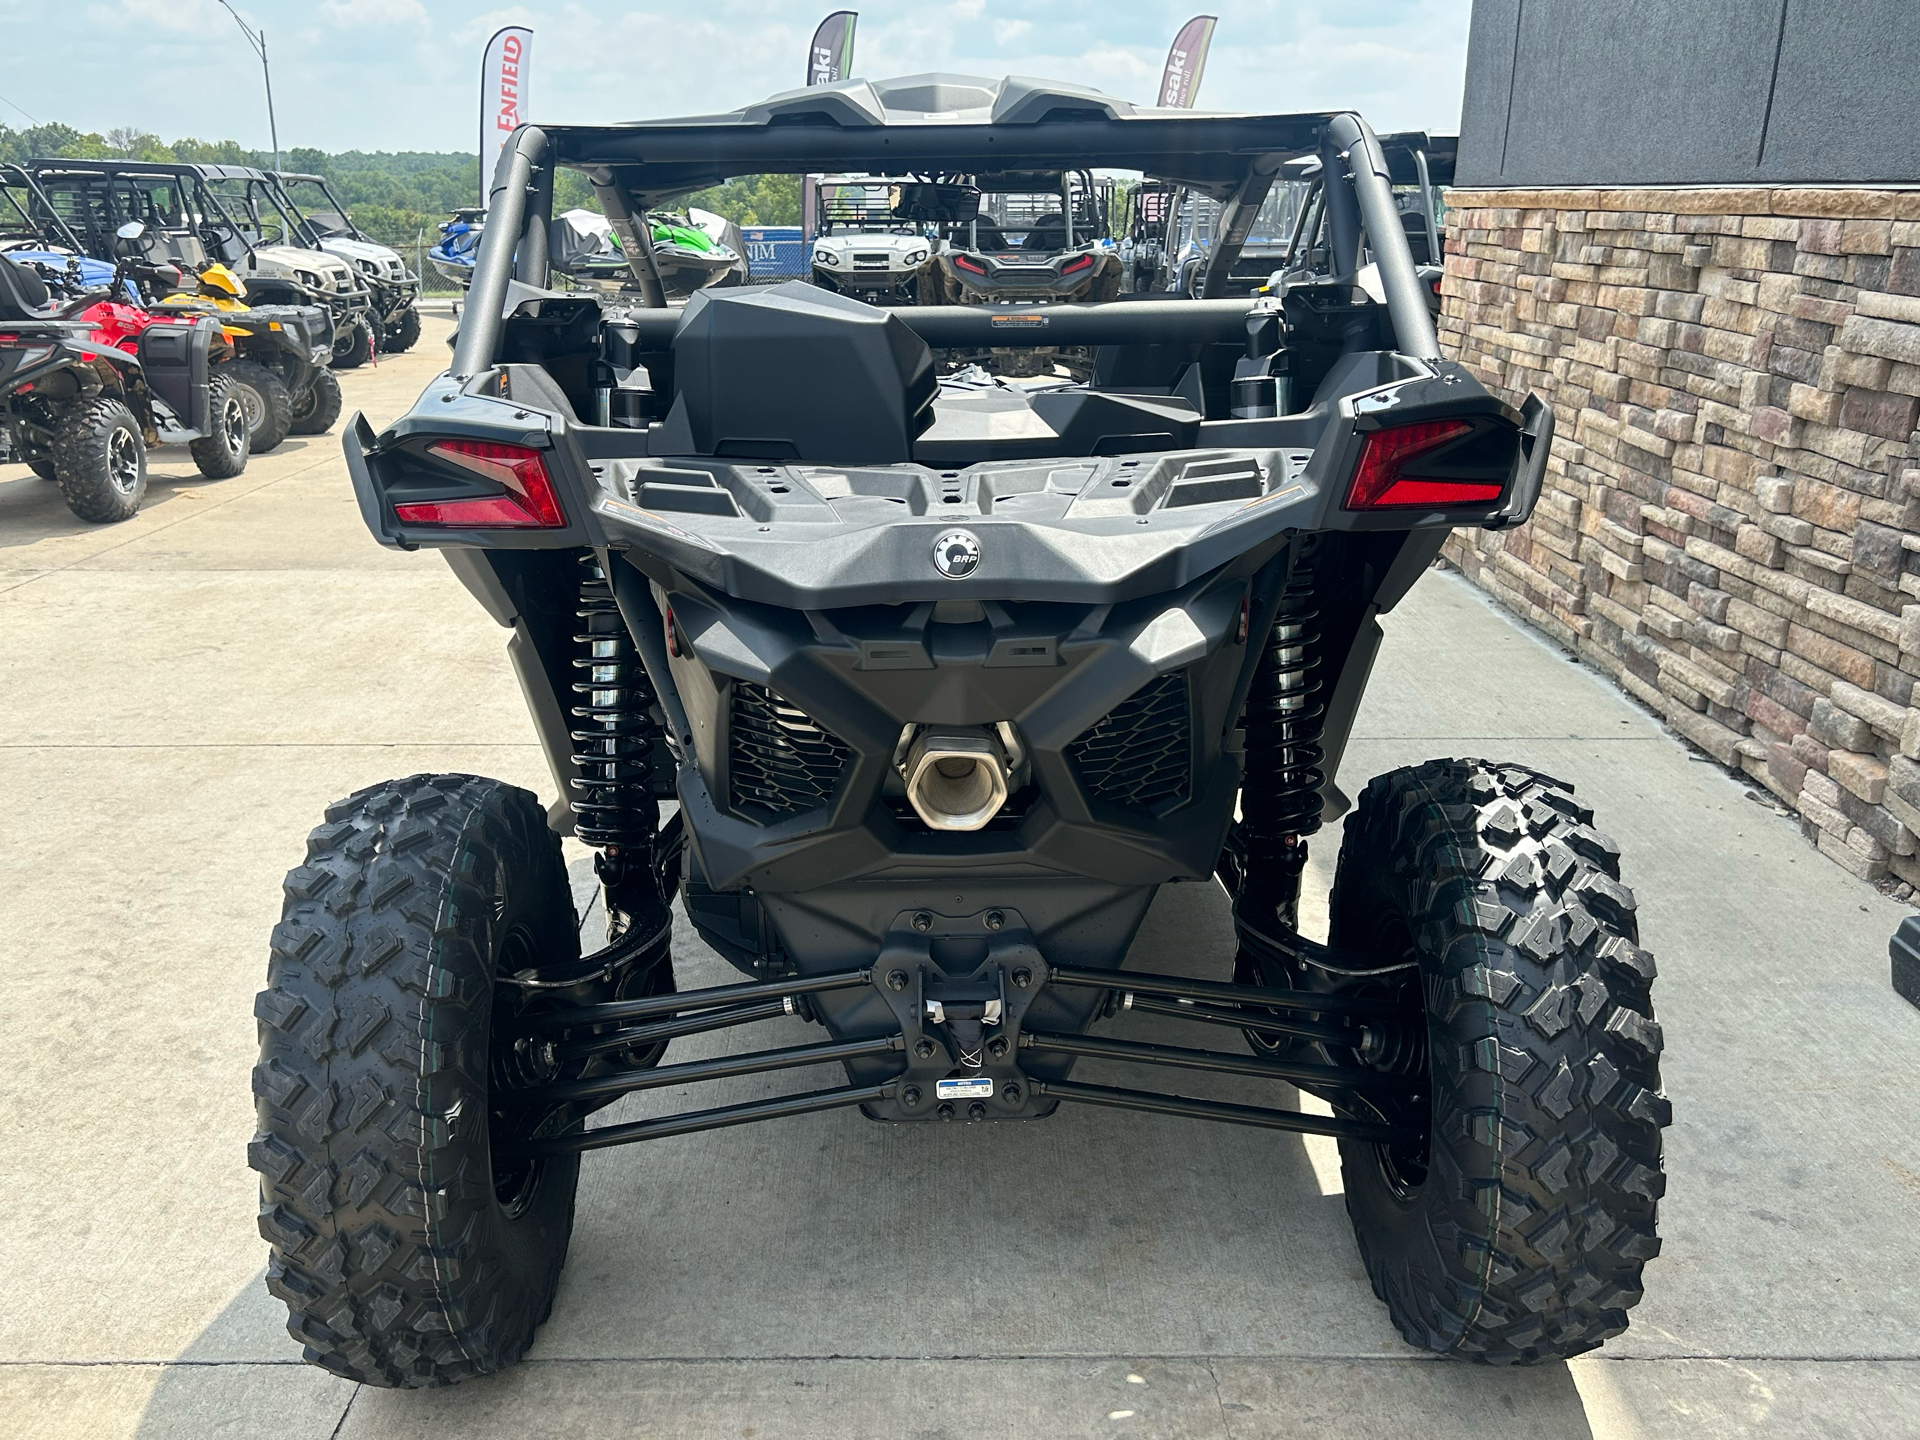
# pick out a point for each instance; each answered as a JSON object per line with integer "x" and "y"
{"x": 1280, "y": 796}
{"x": 614, "y": 809}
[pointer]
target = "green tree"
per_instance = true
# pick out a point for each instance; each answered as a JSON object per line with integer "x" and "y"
{"x": 210, "y": 152}
{"x": 126, "y": 143}
{"x": 753, "y": 200}
{"x": 53, "y": 140}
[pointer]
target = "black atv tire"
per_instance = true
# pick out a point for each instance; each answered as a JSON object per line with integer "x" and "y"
{"x": 403, "y": 334}
{"x": 222, "y": 452}
{"x": 358, "y": 350}
{"x": 100, "y": 460}
{"x": 407, "y": 1256}
{"x": 1518, "y": 1230}
{"x": 270, "y": 413}
{"x": 317, "y": 407}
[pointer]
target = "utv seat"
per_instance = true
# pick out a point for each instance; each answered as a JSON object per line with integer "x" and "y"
{"x": 23, "y": 294}
{"x": 1049, "y": 232}
{"x": 990, "y": 239}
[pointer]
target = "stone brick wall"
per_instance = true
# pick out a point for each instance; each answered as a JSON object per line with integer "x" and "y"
{"x": 1731, "y": 517}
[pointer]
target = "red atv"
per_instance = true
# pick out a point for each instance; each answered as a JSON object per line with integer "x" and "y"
{"x": 88, "y": 382}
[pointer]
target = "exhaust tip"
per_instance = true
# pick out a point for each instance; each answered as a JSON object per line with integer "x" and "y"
{"x": 956, "y": 779}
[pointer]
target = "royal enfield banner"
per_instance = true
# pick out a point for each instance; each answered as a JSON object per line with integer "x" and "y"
{"x": 1188, "y": 57}
{"x": 503, "y": 95}
{"x": 830, "y": 57}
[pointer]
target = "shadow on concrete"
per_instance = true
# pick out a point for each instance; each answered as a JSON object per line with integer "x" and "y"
{"x": 32, "y": 509}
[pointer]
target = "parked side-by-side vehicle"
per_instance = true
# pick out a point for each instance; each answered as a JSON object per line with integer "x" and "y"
{"x": 949, "y": 674}
{"x": 393, "y": 289}
{"x": 194, "y": 215}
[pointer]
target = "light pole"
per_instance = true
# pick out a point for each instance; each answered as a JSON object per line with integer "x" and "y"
{"x": 258, "y": 40}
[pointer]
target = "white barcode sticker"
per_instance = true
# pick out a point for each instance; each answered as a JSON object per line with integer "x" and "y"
{"x": 979, "y": 1088}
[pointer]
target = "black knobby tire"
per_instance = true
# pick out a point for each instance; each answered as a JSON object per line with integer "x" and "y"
{"x": 100, "y": 460}
{"x": 222, "y": 452}
{"x": 359, "y": 347}
{"x": 269, "y": 406}
{"x": 317, "y": 407}
{"x": 1516, "y": 1228}
{"x": 406, "y": 1256}
{"x": 403, "y": 334}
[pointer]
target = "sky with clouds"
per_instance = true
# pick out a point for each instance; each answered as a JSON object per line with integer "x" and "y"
{"x": 403, "y": 74}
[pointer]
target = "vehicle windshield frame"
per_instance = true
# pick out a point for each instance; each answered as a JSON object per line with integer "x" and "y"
{"x": 289, "y": 179}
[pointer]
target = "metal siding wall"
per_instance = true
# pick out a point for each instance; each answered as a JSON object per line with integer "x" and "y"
{"x": 1847, "y": 103}
{"x": 1625, "y": 92}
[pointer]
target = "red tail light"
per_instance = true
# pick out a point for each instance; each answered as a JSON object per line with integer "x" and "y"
{"x": 1379, "y": 481}
{"x": 1074, "y": 266}
{"x": 529, "y": 503}
{"x": 972, "y": 267}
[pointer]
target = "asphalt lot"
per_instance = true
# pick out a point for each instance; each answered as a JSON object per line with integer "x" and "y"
{"x": 181, "y": 695}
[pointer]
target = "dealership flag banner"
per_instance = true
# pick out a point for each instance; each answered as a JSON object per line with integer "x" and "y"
{"x": 830, "y": 57}
{"x": 1188, "y": 57}
{"x": 503, "y": 95}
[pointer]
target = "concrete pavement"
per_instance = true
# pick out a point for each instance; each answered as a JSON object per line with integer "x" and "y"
{"x": 180, "y": 697}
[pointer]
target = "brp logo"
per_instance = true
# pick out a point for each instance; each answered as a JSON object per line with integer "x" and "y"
{"x": 956, "y": 554}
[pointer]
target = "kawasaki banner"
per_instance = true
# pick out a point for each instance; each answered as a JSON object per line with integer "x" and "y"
{"x": 503, "y": 95}
{"x": 830, "y": 57}
{"x": 829, "y": 61}
{"x": 1188, "y": 57}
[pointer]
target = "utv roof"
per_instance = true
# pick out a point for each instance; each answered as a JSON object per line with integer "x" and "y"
{"x": 147, "y": 167}
{"x": 946, "y": 123}
{"x": 1439, "y": 150}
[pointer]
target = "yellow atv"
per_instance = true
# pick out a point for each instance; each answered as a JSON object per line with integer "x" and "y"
{"x": 280, "y": 370}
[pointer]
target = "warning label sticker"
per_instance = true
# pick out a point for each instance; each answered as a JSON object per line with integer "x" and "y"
{"x": 980, "y": 1088}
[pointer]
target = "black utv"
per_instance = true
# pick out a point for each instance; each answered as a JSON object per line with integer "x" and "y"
{"x": 946, "y": 679}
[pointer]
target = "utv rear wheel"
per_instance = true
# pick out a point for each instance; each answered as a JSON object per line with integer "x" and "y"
{"x": 1513, "y": 1223}
{"x": 222, "y": 452}
{"x": 404, "y": 333}
{"x": 100, "y": 460}
{"x": 269, "y": 406}
{"x": 410, "y": 1249}
{"x": 357, "y": 349}
{"x": 317, "y": 406}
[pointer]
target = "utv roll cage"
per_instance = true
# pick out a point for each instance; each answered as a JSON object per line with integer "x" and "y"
{"x": 314, "y": 222}
{"x": 27, "y": 217}
{"x": 1233, "y": 159}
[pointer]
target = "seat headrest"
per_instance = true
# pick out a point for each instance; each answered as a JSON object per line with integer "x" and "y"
{"x": 23, "y": 294}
